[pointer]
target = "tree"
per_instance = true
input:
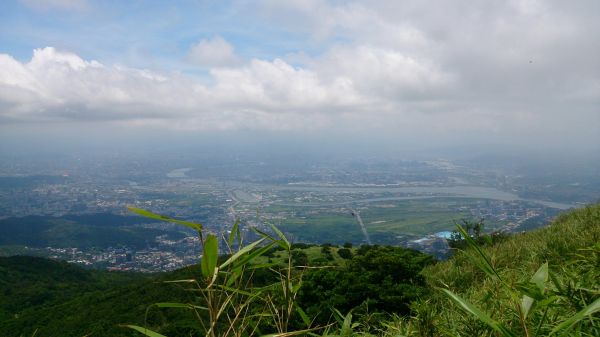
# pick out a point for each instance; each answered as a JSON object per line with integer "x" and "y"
{"x": 345, "y": 253}
{"x": 299, "y": 258}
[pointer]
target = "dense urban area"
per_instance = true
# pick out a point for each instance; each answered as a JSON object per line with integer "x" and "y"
{"x": 406, "y": 203}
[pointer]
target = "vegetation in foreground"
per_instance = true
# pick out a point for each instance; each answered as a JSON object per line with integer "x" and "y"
{"x": 539, "y": 283}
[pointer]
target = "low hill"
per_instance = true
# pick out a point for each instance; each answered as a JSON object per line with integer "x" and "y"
{"x": 55, "y": 298}
{"x": 99, "y": 230}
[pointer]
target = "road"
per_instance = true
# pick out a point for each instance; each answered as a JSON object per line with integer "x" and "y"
{"x": 362, "y": 225}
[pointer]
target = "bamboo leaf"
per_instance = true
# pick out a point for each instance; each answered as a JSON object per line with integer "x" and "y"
{"x": 234, "y": 274}
{"x": 526, "y": 304}
{"x": 281, "y": 236}
{"x": 531, "y": 294}
{"x": 144, "y": 331}
{"x": 271, "y": 238}
{"x": 590, "y": 309}
{"x": 234, "y": 231}
{"x": 531, "y": 290}
{"x": 347, "y": 325}
{"x": 181, "y": 281}
{"x": 483, "y": 317}
{"x": 147, "y": 214}
{"x": 244, "y": 260}
{"x": 540, "y": 277}
{"x": 297, "y": 287}
{"x": 241, "y": 252}
{"x": 208, "y": 263}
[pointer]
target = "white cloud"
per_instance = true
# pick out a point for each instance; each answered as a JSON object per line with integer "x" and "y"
{"x": 386, "y": 74}
{"x": 61, "y": 86}
{"x": 76, "y": 5}
{"x": 215, "y": 52}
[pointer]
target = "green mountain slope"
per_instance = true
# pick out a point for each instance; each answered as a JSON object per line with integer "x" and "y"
{"x": 570, "y": 245}
{"x": 58, "y": 299}
{"x": 81, "y": 302}
{"x": 522, "y": 254}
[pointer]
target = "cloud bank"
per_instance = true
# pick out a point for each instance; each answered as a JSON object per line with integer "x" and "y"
{"x": 511, "y": 68}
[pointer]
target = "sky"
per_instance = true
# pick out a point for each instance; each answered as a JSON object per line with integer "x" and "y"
{"x": 517, "y": 74}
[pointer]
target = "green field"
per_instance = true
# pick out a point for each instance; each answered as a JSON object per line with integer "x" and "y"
{"x": 387, "y": 222}
{"x": 415, "y": 217}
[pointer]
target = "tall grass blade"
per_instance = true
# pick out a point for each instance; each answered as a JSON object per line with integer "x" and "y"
{"x": 302, "y": 314}
{"x": 338, "y": 316}
{"x": 483, "y": 317}
{"x": 590, "y": 309}
{"x": 482, "y": 261}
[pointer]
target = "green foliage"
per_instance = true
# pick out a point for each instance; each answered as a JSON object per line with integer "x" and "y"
{"x": 59, "y": 299}
{"x": 345, "y": 253}
{"x": 299, "y": 258}
{"x": 31, "y": 282}
{"x": 210, "y": 254}
{"x": 381, "y": 278}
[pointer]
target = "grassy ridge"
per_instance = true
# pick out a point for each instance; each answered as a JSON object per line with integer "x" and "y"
{"x": 522, "y": 254}
{"x": 571, "y": 247}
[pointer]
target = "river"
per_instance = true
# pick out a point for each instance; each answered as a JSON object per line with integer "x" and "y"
{"x": 422, "y": 192}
